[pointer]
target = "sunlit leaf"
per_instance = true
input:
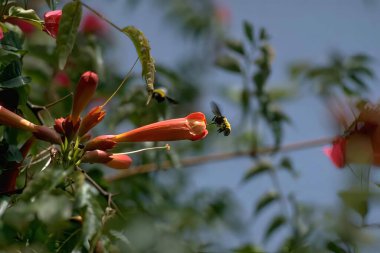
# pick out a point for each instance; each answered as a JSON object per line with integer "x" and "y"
{"x": 228, "y": 63}
{"x": 258, "y": 169}
{"x": 43, "y": 182}
{"x": 27, "y": 15}
{"x": 276, "y": 223}
{"x": 68, "y": 27}
{"x": 53, "y": 209}
{"x": 142, "y": 47}
{"x": 265, "y": 201}
{"x": 357, "y": 200}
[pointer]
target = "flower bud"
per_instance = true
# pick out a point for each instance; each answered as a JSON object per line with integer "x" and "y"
{"x": 51, "y": 25}
{"x": 83, "y": 93}
{"x": 91, "y": 119}
{"x": 102, "y": 142}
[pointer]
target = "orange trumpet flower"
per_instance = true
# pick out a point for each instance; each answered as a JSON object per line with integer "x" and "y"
{"x": 191, "y": 127}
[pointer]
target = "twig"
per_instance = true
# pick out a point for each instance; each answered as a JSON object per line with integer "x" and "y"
{"x": 102, "y": 17}
{"x": 106, "y": 194}
{"x": 150, "y": 167}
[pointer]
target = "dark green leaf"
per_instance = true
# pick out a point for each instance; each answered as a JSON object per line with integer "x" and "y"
{"x": 276, "y": 223}
{"x": 356, "y": 79}
{"x": 265, "y": 201}
{"x": 249, "y": 31}
{"x": 7, "y": 59}
{"x": 235, "y": 46}
{"x": 258, "y": 169}
{"x": 287, "y": 164}
{"x": 263, "y": 35}
{"x": 245, "y": 99}
{"x": 334, "y": 247}
{"x": 68, "y": 27}
{"x": 259, "y": 80}
{"x": 15, "y": 82}
{"x": 228, "y": 63}
{"x": 361, "y": 58}
{"x": 362, "y": 70}
{"x": 14, "y": 154}
{"x": 27, "y": 15}
{"x": 357, "y": 200}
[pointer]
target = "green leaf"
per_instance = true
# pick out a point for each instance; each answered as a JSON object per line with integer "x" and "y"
{"x": 28, "y": 15}
{"x": 142, "y": 47}
{"x": 259, "y": 79}
{"x": 235, "y": 46}
{"x": 245, "y": 99}
{"x": 249, "y": 31}
{"x": 68, "y": 27}
{"x": 7, "y": 58}
{"x": 258, "y": 169}
{"x": 356, "y": 79}
{"x": 53, "y": 209}
{"x": 91, "y": 211}
{"x": 263, "y": 35}
{"x": 45, "y": 181}
{"x": 13, "y": 154}
{"x": 228, "y": 63}
{"x": 357, "y": 200}
{"x": 286, "y": 163}
{"x": 265, "y": 201}
{"x": 334, "y": 247}
{"x": 276, "y": 223}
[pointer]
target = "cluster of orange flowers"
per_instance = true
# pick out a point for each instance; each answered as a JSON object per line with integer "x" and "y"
{"x": 95, "y": 150}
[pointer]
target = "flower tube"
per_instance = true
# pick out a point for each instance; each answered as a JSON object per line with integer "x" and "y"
{"x": 191, "y": 127}
{"x": 91, "y": 119}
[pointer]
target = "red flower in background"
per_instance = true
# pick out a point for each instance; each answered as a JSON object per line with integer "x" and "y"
{"x": 62, "y": 79}
{"x": 1, "y": 34}
{"x": 222, "y": 14}
{"x": 51, "y": 25}
{"x": 361, "y": 142}
{"x": 92, "y": 24}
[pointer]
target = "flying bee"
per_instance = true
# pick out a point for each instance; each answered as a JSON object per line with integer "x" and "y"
{"x": 220, "y": 120}
{"x": 160, "y": 95}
